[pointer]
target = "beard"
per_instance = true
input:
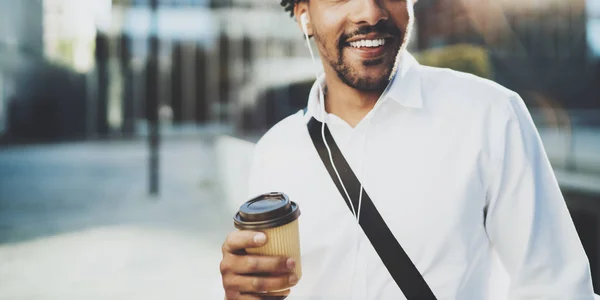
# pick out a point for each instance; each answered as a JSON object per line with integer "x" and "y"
{"x": 349, "y": 74}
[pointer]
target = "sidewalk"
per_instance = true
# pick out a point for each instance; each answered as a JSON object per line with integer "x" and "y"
{"x": 76, "y": 222}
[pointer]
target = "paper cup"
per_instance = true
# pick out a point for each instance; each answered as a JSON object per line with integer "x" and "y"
{"x": 276, "y": 216}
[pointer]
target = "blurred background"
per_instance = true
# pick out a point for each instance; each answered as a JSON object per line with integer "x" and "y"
{"x": 126, "y": 126}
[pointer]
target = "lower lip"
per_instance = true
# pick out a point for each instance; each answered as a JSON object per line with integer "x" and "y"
{"x": 370, "y": 52}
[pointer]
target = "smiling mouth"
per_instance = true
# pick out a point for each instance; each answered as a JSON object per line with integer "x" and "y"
{"x": 367, "y": 43}
{"x": 370, "y": 49}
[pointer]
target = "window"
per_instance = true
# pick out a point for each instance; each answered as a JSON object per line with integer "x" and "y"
{"x": 2, "y": 106}
{"x": 69, "y": 34}
{"x": 593, "y": 27}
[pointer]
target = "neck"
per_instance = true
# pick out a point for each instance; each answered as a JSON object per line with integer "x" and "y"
{"x": 349, "y": 104}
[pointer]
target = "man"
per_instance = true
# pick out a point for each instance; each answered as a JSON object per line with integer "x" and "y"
{"x": 452, "y": 162}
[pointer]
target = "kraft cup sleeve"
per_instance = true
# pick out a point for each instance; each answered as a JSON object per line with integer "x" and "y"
{"x": 282, "y": 241}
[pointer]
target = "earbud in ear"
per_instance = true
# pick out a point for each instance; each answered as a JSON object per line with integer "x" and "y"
{"x": 304, "y": 22}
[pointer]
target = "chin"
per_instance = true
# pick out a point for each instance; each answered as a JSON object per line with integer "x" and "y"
{"x": 376, "y": 76}
{"x": 365, "y": 75}
{"x": 370, "y": 84}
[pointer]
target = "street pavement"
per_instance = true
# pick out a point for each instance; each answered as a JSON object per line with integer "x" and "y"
{"x": 76, "y": 221}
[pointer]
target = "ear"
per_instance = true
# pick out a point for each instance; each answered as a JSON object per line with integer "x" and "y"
{"x": 299, "y": 9}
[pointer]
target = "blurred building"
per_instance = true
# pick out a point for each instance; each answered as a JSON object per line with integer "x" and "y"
{"x": 593, "y": 27}
{"x": 215, "y": 58}
{"x": 45, "y": 52}
{"x": 540, "y": 47}
{"x": 20, "y": 40}
{"x": 77, "y": 69}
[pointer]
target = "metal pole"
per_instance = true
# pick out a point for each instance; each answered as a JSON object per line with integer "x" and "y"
{"x": 152, "y": 96}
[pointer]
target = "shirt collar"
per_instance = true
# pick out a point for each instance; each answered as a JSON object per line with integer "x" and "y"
{"x": 404, "y": 88}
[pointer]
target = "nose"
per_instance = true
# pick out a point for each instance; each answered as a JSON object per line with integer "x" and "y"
{"x": 369, "y": 12}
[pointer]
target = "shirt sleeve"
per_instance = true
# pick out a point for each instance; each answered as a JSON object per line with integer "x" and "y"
{"x": 527, "y": 219}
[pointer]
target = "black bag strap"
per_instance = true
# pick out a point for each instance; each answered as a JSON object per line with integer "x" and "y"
{"x": 402, "y": 269}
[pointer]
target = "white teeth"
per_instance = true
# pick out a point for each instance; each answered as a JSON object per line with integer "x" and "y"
{"x": 368, "y": 43}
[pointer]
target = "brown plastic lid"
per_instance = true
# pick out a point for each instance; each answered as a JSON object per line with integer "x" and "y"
{"x": 266, "y": 211}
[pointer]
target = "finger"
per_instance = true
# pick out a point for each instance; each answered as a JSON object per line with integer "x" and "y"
{"x": 249, "y": 297}
{"x": 278, "y": 296}
{"x": 257, "y": 284}
{"x": 239, "y": 240}
{"x": 252, "y": 264}
{"x": 238, "y": 296}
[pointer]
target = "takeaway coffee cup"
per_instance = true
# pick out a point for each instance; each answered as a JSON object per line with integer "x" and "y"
{"x": 276, "y": 216}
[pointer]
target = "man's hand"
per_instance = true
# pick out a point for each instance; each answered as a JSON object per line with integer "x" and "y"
{"x": 245, "y": 276}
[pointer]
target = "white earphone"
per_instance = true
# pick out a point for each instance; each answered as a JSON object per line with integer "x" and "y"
{"x": 304, "y": 23}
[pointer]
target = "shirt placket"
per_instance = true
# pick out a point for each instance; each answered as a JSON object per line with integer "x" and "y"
{"x": 356, "y": 145}
{"x": 352, "y": 143}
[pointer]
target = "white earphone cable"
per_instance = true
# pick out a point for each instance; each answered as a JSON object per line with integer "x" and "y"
{"x": 324, "y": 115}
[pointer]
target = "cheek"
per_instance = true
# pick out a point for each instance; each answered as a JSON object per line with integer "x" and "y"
{"x": 400, "y": 16}
{"x": 331, "y": 26}
{"x": 327, "y": 42}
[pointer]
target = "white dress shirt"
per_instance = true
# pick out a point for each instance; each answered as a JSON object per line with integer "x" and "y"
{"x": 455, "y": 166}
